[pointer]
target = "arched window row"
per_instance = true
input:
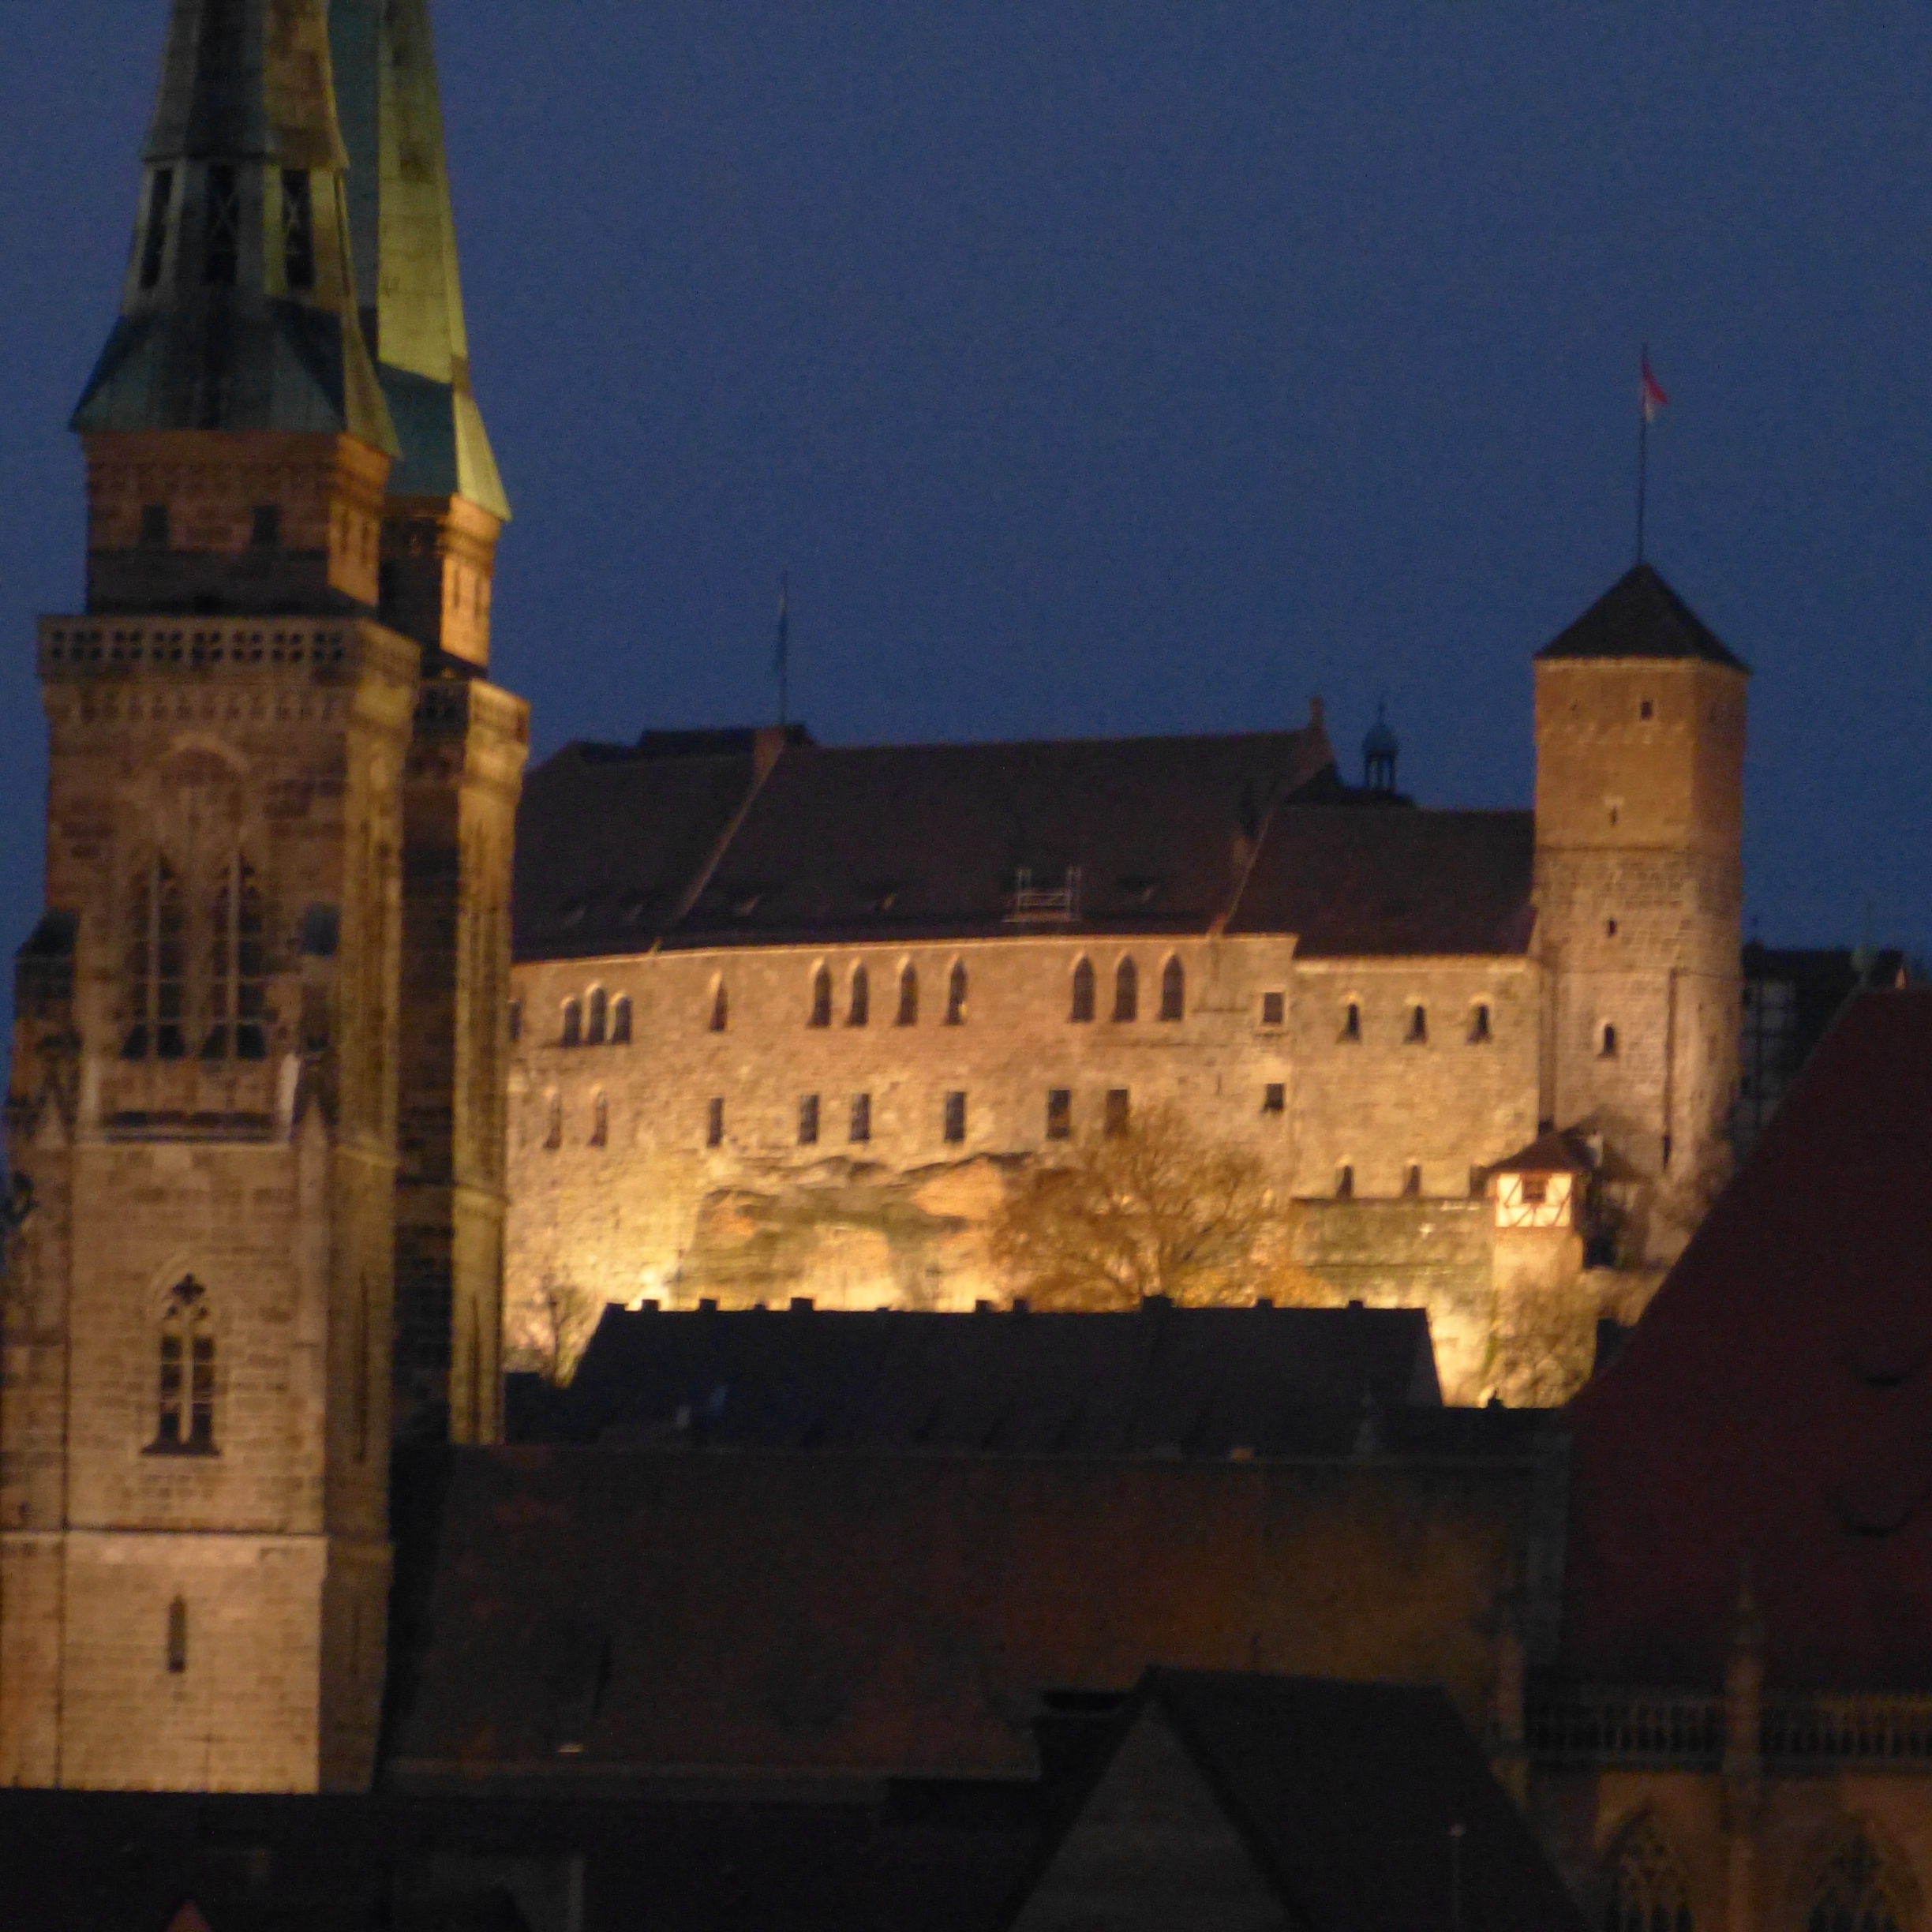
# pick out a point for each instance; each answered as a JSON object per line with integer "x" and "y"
{"x": 858, "y": 996}
{"x": 1127, "y": 991}
{"x": 597, "y": 1019}
{"x": 196, "y": 966}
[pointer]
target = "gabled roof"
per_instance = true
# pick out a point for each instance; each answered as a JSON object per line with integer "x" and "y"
{"x": 620, "y": 1615}
{"x": 1199, "y": 1382}
{"x": 1345, "y": 1796}
{"x": 618, "y": 850}
{"x": 1639, "y": 615}
{"x": 1773, "y": 1407}
{"x": 1549, "y": 1153}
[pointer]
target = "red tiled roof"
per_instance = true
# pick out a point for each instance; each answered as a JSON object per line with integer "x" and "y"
{"x": 1774, "y": 1405}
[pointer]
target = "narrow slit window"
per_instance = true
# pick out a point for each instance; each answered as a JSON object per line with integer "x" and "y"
{"x": 908, "y": 996}
{"x": 955, "y": 1118}
{"x": 154, "y": 243}
{"x": 1174, "y": 990}
{"x": 516, "y": 1021}
{"x": 620, "y": 1020}
{"x": 298, "y": 247}
{"x": 1351, "y": 1023}
{"x": 1412, "y": 1181}
{"x": 808, "y": 1120}
{"x": 1083, "y": 1010}
{"x": 714, "y": 1123}
{"x": 1119, "y": 1110}
{"x": 821, "y": 998}
{"x": 1060, "y": 1113}
{"x": 178, "y": 1637}
{"x": 1345, "y": 1182}
{"x": 600, "y": 1122}
{"x": 221, "y": 258}
{"x": 860, "y": 1011}
{"x": 1607, "y": 1041}
{"x": 1479, "y": 1024}
{"x": 956, "y": 994}
{"x": 1126, "y": 991}
{"x": 720, "y": 1008}
{"x": 1418, "y": 1035}
{"x": 573, "y": 1023}
{"x": 553, "y": 1122}
{"x": 597, "y": 1029}
{"x": 860, "y": 1121}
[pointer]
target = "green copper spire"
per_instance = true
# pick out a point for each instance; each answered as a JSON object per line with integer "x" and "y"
{"x": 404, "y": 233}
{"x": 239, "y": 311}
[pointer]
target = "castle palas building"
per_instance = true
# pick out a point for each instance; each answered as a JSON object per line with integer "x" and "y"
{"x": 787, "y": 1016}
{"x": 268, "y": 1216}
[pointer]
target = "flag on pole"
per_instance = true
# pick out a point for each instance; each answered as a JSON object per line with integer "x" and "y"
{"x": 1651, "y": 390}
{"x": 781, "y": 655}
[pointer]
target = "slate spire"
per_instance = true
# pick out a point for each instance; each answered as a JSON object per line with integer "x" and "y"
{"x": 239, "y": 309}
{"x": 403, "y": 226}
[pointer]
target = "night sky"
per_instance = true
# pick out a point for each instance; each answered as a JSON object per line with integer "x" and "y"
{"x": 1109, "y": 366}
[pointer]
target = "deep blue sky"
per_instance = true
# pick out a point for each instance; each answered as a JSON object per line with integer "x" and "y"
{"x": 1104, "y": 366}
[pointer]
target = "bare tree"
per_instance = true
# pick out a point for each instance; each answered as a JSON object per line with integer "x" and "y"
{"x": 1150, "y": 1209}
{"x": 549, "y": 1331}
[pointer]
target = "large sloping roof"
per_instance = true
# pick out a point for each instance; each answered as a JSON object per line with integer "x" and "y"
{"x": 1639, "y": 615}
{"x": 1192, "y": 1381}
{"x": 1345, "y": 1796}
{"x": 688, "y": 846}
{"x": 1773, "y": 1407}
{"x": 607, "y": 1614}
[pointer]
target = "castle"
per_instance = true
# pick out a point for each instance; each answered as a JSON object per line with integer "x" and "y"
{"x": 786, "y": 1017}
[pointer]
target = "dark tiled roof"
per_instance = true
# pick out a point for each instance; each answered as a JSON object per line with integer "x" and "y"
{"x": 604, "y": 1614}
{"x": 1774, "y": 1404}
{"x": 1196, "y": 1381}
{"x": 1345, "y": 1796}
{"x": 1351, "y": 881}
{"x": 684, "y": 845}
{"x": 1550, "y": 1153}
{"x": 1639, "y": 615}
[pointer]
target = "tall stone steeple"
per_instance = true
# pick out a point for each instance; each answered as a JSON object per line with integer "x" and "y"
{"x": 196, "y": 1336}
{"x": 441, "y": 519}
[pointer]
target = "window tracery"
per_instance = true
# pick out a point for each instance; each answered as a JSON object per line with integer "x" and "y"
{"x": 157, "y": 965}
{"x": 1174, "y": 990}
{"x": 1126, "y": 990}
{"x": 1648, "y": 1890}
{"x": 237, "y": 992}
{"x": 1856, "y": 1893}
{"x": 185, "y": 1404}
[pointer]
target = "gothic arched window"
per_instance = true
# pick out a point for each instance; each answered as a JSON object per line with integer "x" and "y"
{"x": 157, "y": 966}
{"x": 1647, "y": 1892}
{"x": 909, "y": 995}
{"x": 1083, "y": 993}
{"x": 573, "y": 1023}
{"x": 1855, "y": 1894}
{"x": 720, "y": 1006}
{"x": 1126, "y": 990}
{"x": 956, "y": 994}
{"x": 237, "y": 957}
{"x": 861, "y": 1008}
{"x": 821, "y": 998}
{"x": 1174, "y": 990}
{"x": 597, "y": 1030}
{"x": 620, "y": 1020}
{"x": 184, "y": 1420}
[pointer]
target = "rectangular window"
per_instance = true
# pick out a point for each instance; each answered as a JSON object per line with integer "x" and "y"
{"x": 1274, "y": 1098}
{"x": 1535, "y": 1190}
{"x": 1060, "y": 1113}
{"x": 222, "y": 256}
{"x": 714, "y": 1124}
{"x": 956, "y": 1117}
{"x": 155, "y": 534}
{"x": 265, "y": 532}
{"x": 298, "y": 254}
{"x": 1274, "y": 1009}
{"x": 154, "y": 244}
{"x": 1119, "y": 1108}
{"x": 808, "y": 1120}
{"x": 861, "y": 1118}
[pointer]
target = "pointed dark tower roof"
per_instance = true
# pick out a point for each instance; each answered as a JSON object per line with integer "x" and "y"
{"x": 403, "y": 227}
{"x": 239, "y": 310}
{"x": 1641, "y": 616}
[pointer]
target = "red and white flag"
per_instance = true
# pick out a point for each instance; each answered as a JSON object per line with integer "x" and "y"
{"x": 1651, "y": 391}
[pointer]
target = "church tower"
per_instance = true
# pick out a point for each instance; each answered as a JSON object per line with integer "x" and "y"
{"x": 194, "y": 1554}
{"x": 442, "y": 513}
{"x": 1639, "y": 827}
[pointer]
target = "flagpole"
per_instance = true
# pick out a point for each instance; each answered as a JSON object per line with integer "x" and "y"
{"x": 784, "y": 649}
{"x": 1643, "y": 446}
